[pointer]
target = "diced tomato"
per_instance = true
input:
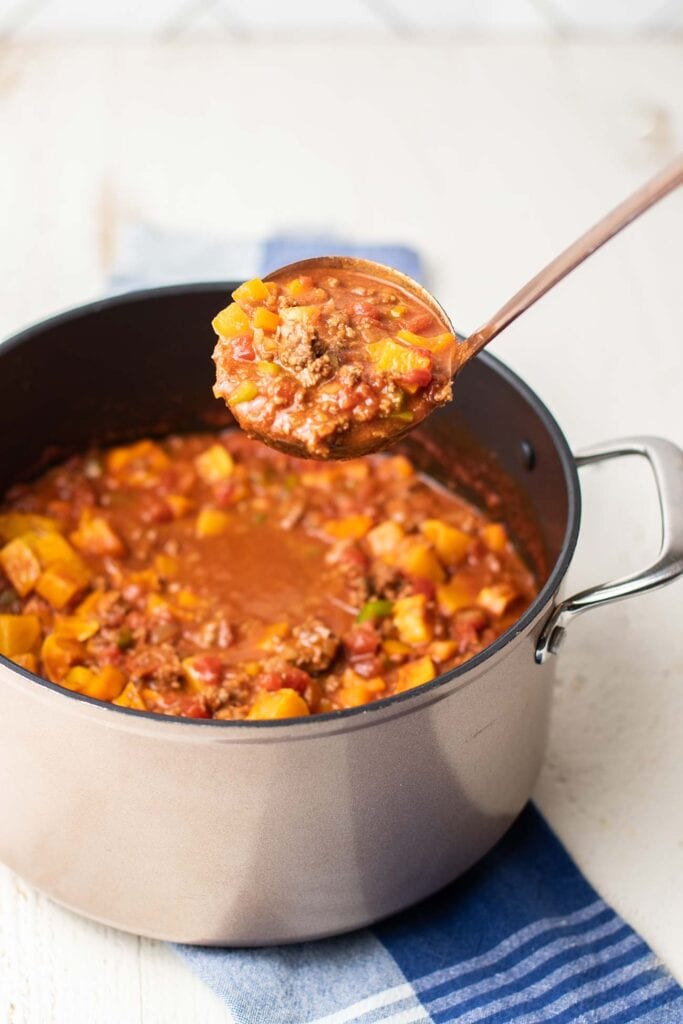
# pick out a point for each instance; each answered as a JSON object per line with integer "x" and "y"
{"x": 190, "y": 707}
{"x": 422, "y": 586}
{"x": 467, "y": 627}
{"x": 209, "y": 668}
{"x": 291, "y": 677}
{"x": 365, "y": 310}
{"x": 110, "y": 655}
{"x": 368, "y": 666}
{"x": 419, "y": 377}
{"x": 417, "y": 322}
{"x": 154, "y": 510}
{"x": 243, "y": 348}
{"x": 361, "y": 640}
{"x": 353, "y": 556}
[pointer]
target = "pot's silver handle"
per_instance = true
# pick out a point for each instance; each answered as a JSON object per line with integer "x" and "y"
{"x": 666, "y": 460}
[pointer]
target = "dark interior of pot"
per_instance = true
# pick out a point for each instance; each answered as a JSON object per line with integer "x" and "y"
{"x": 139, "y": 365}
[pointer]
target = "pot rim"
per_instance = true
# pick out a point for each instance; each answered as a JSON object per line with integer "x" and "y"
{"x": 546, "y": 592}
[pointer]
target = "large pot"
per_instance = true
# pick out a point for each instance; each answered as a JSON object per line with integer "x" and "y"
{"x": 244, "y": 833}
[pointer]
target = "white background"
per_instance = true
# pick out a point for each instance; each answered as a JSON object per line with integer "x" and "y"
{"x": 488, "y": 155}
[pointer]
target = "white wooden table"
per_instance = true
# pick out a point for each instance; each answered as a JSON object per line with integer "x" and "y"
{"x": 488, "y": 158}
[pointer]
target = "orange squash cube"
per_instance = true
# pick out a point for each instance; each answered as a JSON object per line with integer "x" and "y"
{"x": 456, "y": 594}
{"x": 130, "y": 698}
{"x": 397, "y": 359}
{"x": 255, "y": 290}
{"x": 265, "y": 319}
{"x": 211, "y": 522}
{"x": 95, "y": 536}
{"x": 410, "y": 619}
{"x": 18, "y": 634}
{"x": 495, "y": 537}
{"x": 58, "y": 654}
{"x": 451, "y": 544}
{"x": 14, "y": 524}
{"x": 20, "y": 565}
{"x": 351, "y": 527}
{"x": 284, "y": 703}
{"x": 416, "y": 558}
{"x": 214, "y": 465}
{"x": 384, "y": 540}
{"x": 231, "y": 322}
{"x": 62, "y": 582}
{"x": 414, "y": 673}
{"x": 497, "y": 598}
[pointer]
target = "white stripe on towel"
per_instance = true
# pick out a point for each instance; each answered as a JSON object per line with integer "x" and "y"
{"x": 590, "y": 988}
{"x": 373, "y": 1002}
{"x": 531, "y": 931}
{"x": 537, "y": 959}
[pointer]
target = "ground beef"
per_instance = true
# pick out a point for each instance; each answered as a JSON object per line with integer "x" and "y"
{"x": 303, "y": 352}
{"x": 315, "y": 645}
{"x": 160, "y": 663}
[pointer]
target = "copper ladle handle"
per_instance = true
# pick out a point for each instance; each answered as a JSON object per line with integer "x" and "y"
{"x": 641, "y": 200}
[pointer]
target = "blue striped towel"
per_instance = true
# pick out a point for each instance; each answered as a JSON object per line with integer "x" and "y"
{"x": 522, "y": 938}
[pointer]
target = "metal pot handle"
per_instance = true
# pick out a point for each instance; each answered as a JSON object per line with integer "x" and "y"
{"x": 666, "y": 460}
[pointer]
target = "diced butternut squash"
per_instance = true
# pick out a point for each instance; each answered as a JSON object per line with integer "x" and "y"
{"x": 179, "y": 504}
{"x": 396, "y": 648}
{"x": 215, "y": 465}
{"x": 284, "y": 703}
{"x": 76, "y": 627}
{"x": 265, "y": 319}
{"x": 62, "y": 581}
{"x": 351, "y": 527}
{"x": 441, "y": 650}
{"x": 50, "y": 548}
{"x": 27, "y": 661}
{"x": 298, "y": 285}
{"x": 410, "y": 619}
{"x": 187, "y": 599}
{"x": 20, "y": 565}
{"x": 139, "y": 464}
{"x": 397, "y": 359}
{"x": 211, "y": 522}
{"x": 456, "y": 594}
{"x": 384, "y": 540}
{"x": 14, "y": 524}
{"x": 495, "y": 537}
{"x": 271, "y": 634}
{"x": 77, "y": 678}
{"x": 244, "y": 392}
{"x": 106, "y": 684}
{"x": 414, "y": 673}
{"x": 130, "y": 698}
{"x": 496, "y": 598}
{"x": 251, "y": 291}
{"x": 451, "y": 544}
{"x": 437, "y": 343}
{"x": 18, "y": 634}
{"x": 398, "y": 467}
{"x": 166, "y": 565}
{"x": 231, "y": 322}
{"x": 268, "y": 369}
{"x": 356, "y": 691}
{"x": 58, "y": 654}
{"x": 89, "y": 606}
{"x": 397, "y": 311}
{"x": 416, "y": 558}
{"x": 95, "y": 536}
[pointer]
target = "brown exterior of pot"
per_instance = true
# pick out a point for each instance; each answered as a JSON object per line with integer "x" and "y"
{"x": 237, "y": 833}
